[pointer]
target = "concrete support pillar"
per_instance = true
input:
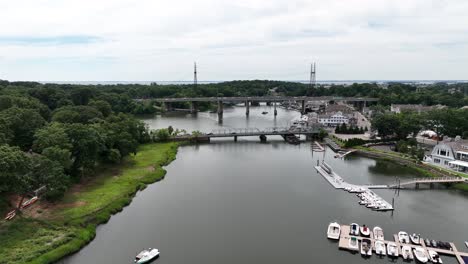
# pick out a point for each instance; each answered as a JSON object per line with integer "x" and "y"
{"x": 167, "y": 107}
{"x": 303, "y": 107}
{"x": 235, "y": 138}
{"x": 247, "y": 108}
{"x": 220, "y": 111}
{"x": 431, "y": 185}
{"x": 276, "y": 111}
{"x": 263, "y": 138}
{"x": 417, "y": 185}
{"x": 268, "y": 103}
{"x": 193, "y": 107}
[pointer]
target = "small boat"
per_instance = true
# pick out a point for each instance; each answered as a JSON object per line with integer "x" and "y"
{"x": 378, "y": 233}
{"x": 365, "y": 231}
{"x": 392, "y": 249}
{"x": 466, "y": 244}
{"x": 380, "y": 248}
{"x": 333, "y": 231}
{"x": 427, "y": 242}
{"x": 29, "y": 202}
{"x": 433, "y": 243}
{"x": 366, "y": 247}
{"x": 415, "y": 239}
{"x": 403, "y": 237}
{"x": 353, "y": 244}
{"x": 406, "y": 252}
{"x": 434, "y": 257}
{"x": 354, "y": 229}
{"x": 420, "y": 254}
{"x": 146, "y": 256}
{"x": 264, "y": 113}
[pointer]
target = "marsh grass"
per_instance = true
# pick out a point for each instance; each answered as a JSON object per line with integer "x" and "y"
{"x": 68, "y": 228}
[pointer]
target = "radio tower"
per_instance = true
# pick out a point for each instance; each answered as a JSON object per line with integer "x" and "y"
{"x": 312, "y": 75}
{"x": 195, "y": 75}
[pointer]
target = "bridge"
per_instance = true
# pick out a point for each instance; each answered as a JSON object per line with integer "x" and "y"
{"x": 248, "y": 100}
{"x": 417, "y": 181}
{"x": 250, "y": 132}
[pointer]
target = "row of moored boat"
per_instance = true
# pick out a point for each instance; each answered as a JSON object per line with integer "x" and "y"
{"x": 410, "y": 244}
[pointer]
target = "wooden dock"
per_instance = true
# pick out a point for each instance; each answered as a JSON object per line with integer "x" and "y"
{"x": 345, "y": 235}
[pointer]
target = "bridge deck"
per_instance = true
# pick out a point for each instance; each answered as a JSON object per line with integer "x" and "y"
{"x": 261, "y": 99}
{"x": 430, "y": 180}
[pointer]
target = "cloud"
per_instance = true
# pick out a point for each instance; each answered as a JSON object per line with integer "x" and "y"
{"x": 52, "y": 40}
{"x": 244, "y": 39}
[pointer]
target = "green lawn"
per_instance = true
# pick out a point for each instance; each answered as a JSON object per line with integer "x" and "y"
{"x": 65, "y": 230}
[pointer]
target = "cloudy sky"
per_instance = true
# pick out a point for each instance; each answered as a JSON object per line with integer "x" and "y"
{"x": 128, "y": 40}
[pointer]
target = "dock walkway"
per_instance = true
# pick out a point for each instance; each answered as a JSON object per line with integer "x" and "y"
{"x": 345, "y": 235}
{"x": 338, "y": 183}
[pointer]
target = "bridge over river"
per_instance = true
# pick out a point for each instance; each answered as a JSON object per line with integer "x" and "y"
{"x": 248, "y": 100}
{"x": 251, "y": 132}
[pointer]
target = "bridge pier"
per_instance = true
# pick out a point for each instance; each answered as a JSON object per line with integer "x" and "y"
{"x": 167, "y": 107}
{"x": 235, "y": 138}
{"x": 417, "y": 186}
{"x": 220, "y": 111}
{"x": 263, "y": 138}
{"x": 302, "y": 106}
{"x": 193, "y": 107}
{"x": 247, "y": 108}
{"x": 431, "y": 185}
{"x": 276, "y": 112}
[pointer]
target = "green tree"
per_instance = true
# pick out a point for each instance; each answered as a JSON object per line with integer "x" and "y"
{"x": 19, "y": 126}
{"x": 102, "y": 106}
{"x": 385, "y": 124}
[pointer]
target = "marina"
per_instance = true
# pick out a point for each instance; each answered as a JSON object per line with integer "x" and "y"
{"x": 345, "y": 237}
{"x": 367, "y": 197}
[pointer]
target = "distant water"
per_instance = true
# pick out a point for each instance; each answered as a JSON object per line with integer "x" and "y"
{"x": 344, "y": 82}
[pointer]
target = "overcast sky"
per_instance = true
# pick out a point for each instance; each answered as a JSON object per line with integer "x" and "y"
{"x": 130, "y": 40}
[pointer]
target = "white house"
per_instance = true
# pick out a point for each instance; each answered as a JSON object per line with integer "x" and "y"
{"x": 450, "y": 154}
{"x": 333, "y": 119}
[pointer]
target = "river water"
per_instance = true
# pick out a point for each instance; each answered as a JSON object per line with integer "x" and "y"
{"x": 252, "y": 202}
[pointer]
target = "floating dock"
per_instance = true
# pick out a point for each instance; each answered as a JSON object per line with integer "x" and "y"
{"x": 345, "y": 235}
{"x": 338, "y": 183}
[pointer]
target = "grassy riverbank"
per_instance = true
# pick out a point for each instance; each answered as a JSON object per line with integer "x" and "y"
{"x": 49, "y": 232}
{"x": 425, "y": 170}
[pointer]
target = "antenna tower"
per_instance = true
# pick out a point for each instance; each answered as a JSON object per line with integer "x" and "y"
{"x": 312, "y": 75}
{"x": 195, "y": 75}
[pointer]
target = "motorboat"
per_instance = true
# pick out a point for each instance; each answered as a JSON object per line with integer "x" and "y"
{"x": 420, "y": 254}
{"x": 415, "y": 239}
{"x": 354, "y": 229}
{"x": 433, "y": 243}
{"x": 366, "y": 247}
{"x": 378, "y": 233}
{"x": 146, "y": 256}
{"x": 406, "y": 252}
{"x": 403, "y": 237}
{"x": 380, "y": 248}
{"x": 365, "y": 231}
{"x": 334, "y": 230}
{"x": 434, "y": 257}
{"x": 353, "y": 244}
{"x": 392, "y": 249}
{"x": 427, "y": 242}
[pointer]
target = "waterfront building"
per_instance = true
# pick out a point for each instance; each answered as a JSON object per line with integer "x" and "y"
{"x": 450, "y": 154}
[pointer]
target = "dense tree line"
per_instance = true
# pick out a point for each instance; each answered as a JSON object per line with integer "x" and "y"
{"x": 446, "y": 122}
{"x": 53, "y": 136}
{"x": 120, "y": 96}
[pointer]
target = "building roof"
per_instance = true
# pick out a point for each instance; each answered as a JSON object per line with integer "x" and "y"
{"x": 459, "y": 163}
{"x": 417, "y": 107}
{"x": 457, "y": 145}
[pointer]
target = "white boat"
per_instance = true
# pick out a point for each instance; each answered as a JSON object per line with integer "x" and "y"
{"x": 434, "y": 256}
{"x": 365, "y": 231}
{"x": 420, "y": 254}
{"x": 354, "y": 229}
{"x": 380, "y": 248}
{"x": 334, "y": 230}
{"x": 466, "y": 244}
{"x": 366, "y": 247}
{"x": 415, "y": 238}
{"x": 146, "y": 256}
{"x": 403, "y": 237}
{"x": 353, "y": 244}
{"x": 406, "y": 252}
{"x": 392, "y": 249}
{"x": 378, "y": 233}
